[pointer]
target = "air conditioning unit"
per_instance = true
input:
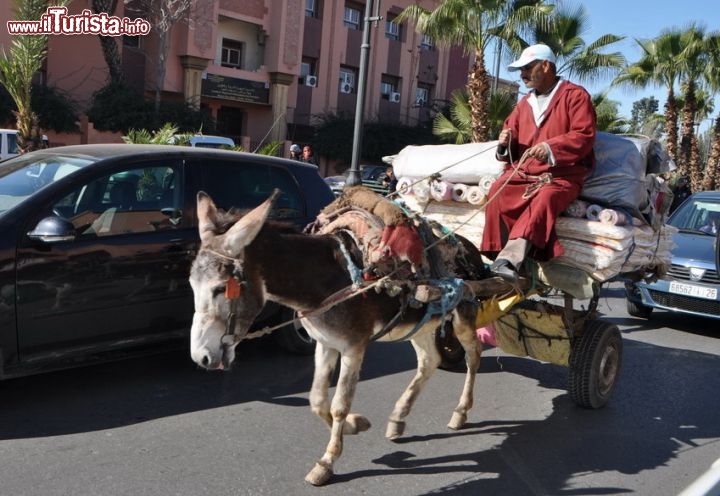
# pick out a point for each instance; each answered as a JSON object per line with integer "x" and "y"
{"x": 345, "y": 88}
{"x": 311, "y": 81}
{"x": 395, "y": 97}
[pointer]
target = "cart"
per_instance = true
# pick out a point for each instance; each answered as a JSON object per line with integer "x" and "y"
{"x": 589, "y": 347}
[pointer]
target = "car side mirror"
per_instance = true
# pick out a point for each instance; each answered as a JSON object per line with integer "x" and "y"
{"x": 52, "y": 230}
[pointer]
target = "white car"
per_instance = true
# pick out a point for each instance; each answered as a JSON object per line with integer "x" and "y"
{"x": 8, "y": 143}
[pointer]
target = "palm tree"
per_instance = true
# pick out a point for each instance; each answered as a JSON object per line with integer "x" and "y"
{"x": 711, "y": 178}
{"x": 693, "y": 65}
{"x": 472, "y": 25}
{"x": 658, "y": 66}
{"x": 17, "y": 69}
{"x": 575, "y": 59}
{"x": 457, "y": 128}
{"x": 608, "y": 118}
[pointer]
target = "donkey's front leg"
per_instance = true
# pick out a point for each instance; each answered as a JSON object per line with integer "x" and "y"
{"x": 428, "y": 359}
{"x": 350, "y": 364}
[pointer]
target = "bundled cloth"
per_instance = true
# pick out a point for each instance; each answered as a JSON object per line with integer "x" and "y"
{"x": 441, "y": 190}
{"x": 605, "y": 250}
{"x": 465, "y": 163}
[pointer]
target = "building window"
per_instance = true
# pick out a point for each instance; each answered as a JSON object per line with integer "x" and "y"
{"x": 308, "y": 68}
{"x": 392, "y": 29}
{"x": 310, "y": 8}
{"x": 347, "y": 79}
{"x": 351, "y": 18}
{"x": 389, "y": 88}
{"x": 422, "y": 96}
{"x": 427, "y": 43}
{"x": 231, "y": 55}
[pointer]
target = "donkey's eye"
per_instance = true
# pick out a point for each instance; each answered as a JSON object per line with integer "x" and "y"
{"x": 218, "y": 290}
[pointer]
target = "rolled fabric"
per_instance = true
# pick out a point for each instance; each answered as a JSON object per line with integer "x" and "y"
{"x": 475, "y": 195}
{"x": 486, "y": 182}
{"x": 404, "y": 186}
{"x": 487, "y": 334}
{"x": 577, "y": 209}
{"x": 593, "y": 212}
{"x": 459, "y": 192}
{"x": 613, "y": 217}
{"x": 441, "y": 190}
{"x": 421, "y": 189}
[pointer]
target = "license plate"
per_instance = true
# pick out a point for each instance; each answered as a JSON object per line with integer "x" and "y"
{"x": 692, "y": 290}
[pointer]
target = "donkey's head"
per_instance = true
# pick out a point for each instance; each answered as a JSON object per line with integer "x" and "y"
{"x": 228, "y": 294}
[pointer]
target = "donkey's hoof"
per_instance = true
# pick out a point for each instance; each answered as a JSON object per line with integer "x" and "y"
{"x": 355, "y": 424}
{"x": 395, "y": 429}
{"x": 457, "y": 421}
{"x": 319, "y": 475}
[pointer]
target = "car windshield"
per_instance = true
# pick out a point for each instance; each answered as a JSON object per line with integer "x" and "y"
{"x": 699, "y": 215}
{"x": 22, "y": 176}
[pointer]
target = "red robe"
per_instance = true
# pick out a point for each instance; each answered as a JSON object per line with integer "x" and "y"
{"x": 569, "y": 130}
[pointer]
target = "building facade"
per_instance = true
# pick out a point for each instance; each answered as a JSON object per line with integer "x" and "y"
{"x": 264, "y": 68}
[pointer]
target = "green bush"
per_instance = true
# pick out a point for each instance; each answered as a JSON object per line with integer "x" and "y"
{"x": 119, "y": 108}
{"x": 333, "y": 138}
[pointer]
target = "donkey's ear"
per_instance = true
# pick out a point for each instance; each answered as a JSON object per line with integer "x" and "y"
{"x": 244, "y": 231}
{"x": 207, "y": 215}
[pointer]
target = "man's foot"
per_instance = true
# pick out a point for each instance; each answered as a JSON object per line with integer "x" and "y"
{"x": 505, "y": 270}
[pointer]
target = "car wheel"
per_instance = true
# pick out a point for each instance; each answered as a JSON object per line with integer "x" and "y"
{"x": 638, "y": 309}
{"x": 595, "y": 362}
{"x": 452, "y": 354}
{"x": 293, "y": 337}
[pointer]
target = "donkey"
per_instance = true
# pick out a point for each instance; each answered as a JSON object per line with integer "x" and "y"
{"x": 244, "y": 261}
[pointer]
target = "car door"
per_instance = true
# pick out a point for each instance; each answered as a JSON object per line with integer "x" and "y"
{"x": 122, "y": 281}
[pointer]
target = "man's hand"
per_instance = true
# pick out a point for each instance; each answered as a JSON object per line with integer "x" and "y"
{"x": 539, "y": 152}
{"x": 504, "y": 138}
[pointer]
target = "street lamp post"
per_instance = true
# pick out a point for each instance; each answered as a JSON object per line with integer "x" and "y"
{"x": 354, "y": 174}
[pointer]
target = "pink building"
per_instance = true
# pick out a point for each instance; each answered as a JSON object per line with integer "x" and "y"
{"x": 264, "y": 68}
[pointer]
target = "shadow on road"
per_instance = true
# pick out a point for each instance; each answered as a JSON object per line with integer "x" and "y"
{"x": 131, "y": 391}
{"x": 665, "y": 403}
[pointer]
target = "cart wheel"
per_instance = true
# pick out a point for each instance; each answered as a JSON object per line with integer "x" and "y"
{"x": 638, "y": 310}
{"x": 452, "y": 354}
{"x": 293, "y": 338}
{"x": 595, "y": 362}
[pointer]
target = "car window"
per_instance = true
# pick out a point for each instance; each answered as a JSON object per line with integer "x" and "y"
{"x": 12, "y": 142}
{"x": 130, "y": 201}
{"x": 697, "y": 215}
{"x": 246, "y": 185}
{"x": 22, "y": 176}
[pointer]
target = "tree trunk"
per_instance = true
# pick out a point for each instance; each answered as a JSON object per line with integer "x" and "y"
{"x": 160, "y": 73}
{"x": 686, "y": 136}
{"x": 671, "y": 118}
{"x": 109, "y": 44}
{"x": 712, "y": 171}
{"x": 478, "y": 89}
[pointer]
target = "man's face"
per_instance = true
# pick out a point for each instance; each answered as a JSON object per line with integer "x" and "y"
{"x": 532, "y": 74}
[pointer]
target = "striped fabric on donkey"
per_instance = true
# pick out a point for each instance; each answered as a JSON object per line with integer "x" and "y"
{"x": 245, "y": 261}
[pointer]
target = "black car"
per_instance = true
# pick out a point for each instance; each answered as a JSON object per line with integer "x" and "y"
{"x": 96, "y": 243}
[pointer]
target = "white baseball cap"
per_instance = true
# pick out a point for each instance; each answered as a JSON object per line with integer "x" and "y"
{"x": 531, "y": 54}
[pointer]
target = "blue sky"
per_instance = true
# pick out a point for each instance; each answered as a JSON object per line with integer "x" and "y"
{"x": 641, "y": 19}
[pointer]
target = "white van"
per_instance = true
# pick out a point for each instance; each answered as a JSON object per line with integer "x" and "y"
{"x": 8, "y": 143}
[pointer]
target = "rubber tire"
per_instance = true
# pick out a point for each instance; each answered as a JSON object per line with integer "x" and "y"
{"x": 638, "y": 309}
{"x": 595, "y": 363}
{"x": 293, "y": 338}
{"x": 452, "y": 354}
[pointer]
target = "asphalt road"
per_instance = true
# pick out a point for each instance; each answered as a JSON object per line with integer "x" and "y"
{"x": 161, "y": 426}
